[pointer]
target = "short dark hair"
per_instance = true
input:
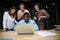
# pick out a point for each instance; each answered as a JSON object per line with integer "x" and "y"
{"x": 26, "y": 14}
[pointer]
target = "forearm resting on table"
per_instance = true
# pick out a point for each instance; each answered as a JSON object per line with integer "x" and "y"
{"x": 4, "y": 29}
{"x": 44, "y": 16}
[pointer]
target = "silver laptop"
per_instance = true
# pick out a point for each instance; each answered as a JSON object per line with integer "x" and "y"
{"x": 25, "y": 29}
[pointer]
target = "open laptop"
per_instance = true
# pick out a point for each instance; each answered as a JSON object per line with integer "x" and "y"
{"x": 25, "y": 29}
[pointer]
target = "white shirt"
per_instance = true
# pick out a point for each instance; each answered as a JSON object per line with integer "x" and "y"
{"x": 8, "y": 21}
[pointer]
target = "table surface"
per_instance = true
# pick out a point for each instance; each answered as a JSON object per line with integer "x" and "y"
{"x": 13, "y": 34}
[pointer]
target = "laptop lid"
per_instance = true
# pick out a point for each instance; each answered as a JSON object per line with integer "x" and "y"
{"x": 25, "y": 28}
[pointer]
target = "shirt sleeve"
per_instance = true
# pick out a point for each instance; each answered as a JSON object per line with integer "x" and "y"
{"x": 16, "y": 22}
{"x": 5, "y": 20}
{"x": 28, "y": 11}
{"x": 21, "y": 22}
{"x": 35, "y": 26}
{"x": 45, "y": 13}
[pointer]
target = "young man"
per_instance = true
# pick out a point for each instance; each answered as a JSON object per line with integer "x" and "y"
{"x": 26, "y": 20}
{"x": 21, "y": 11}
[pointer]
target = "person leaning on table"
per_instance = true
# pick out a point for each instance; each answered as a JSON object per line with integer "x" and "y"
{"x": 40, "y": 15}
{"x": 9, "y": 19}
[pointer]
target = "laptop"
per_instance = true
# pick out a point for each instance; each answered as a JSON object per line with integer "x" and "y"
{"x": 25, "y": 29}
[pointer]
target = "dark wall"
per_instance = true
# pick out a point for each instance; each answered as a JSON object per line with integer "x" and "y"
{"x": 52, "y": 9}
{"x": 58, "y": 12}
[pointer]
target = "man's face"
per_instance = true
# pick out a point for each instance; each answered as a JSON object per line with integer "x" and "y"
{"x": 22, "y": 7}
{"x": 26, "y": 18}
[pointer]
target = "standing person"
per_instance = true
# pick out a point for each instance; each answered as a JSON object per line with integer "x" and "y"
{"x": 21, "y": 11}
{"x": 9, "y": 19}
{"x": 41, "y": 14}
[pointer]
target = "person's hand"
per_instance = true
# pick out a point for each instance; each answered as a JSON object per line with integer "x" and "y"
{"x": 4, "y": 29}
{"x": 39, "y": 19}
{"x": 34, "y": 18}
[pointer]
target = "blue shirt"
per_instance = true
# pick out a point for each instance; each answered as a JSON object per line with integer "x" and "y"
{"x": 30, "y": 22}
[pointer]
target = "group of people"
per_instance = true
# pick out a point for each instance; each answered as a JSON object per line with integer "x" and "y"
{"x": 24, "y": 17}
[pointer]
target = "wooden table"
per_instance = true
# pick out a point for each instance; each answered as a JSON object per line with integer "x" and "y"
{"x": 12, "y": 34}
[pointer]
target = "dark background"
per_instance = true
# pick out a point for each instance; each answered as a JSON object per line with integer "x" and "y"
{"x": 52, "y": 8}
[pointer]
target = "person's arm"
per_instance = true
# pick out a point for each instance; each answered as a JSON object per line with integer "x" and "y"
{"x": 35, "y": 26}
{"x": 16, "y": 22}
{"x": 18, "y": 15}
{"x": 45, "y": 15}
{"x": 28, "y": 12}
{"x": 34, "y": 17}
{"x": 4, "y": 21}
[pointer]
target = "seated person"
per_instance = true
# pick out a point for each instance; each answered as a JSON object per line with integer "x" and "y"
{"x": 26, "y": 20}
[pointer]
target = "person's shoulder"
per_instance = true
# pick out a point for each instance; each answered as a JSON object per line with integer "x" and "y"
{"x": 18, "y": 11}
{"x": 43, "y": 10}
{"x": 26, "y": 10}
{"x": 6, "y": 13}
{"x": 32, "y": 20}
{"x": 21, "y": 20}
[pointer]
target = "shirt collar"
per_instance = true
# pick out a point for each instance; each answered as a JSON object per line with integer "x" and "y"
{"x": 28, "y": 22}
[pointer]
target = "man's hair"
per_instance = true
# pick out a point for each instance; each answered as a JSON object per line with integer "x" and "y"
{"x": 26, "y": 14}
{"x": 21, "y": 4}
